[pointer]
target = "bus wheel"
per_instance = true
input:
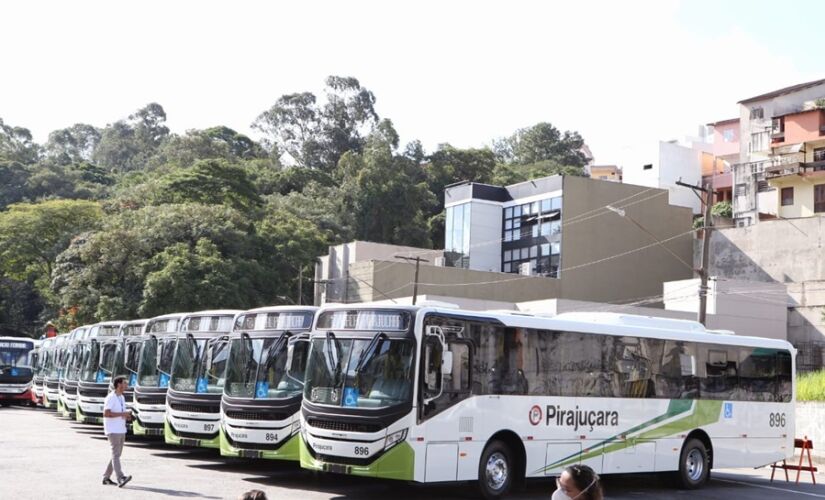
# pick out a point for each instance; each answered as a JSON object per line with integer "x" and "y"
{"x": 694, "y": 467}
{"x": 495, "y": 470}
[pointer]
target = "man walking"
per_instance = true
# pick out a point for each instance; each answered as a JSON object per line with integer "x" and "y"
{"x": 115, "y": 416}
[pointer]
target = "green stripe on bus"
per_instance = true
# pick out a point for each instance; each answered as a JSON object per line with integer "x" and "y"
{"x": 704, "y": 412}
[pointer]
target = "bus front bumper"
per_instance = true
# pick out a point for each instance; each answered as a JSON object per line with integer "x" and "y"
{"x": 288, "y": 449}
{"x": 396, "y": 463}
{"x": 197, "y": 435}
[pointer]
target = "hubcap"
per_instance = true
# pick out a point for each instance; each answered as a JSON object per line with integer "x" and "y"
{"x": 695, "y": 464}
{"x": 496, "y": 471}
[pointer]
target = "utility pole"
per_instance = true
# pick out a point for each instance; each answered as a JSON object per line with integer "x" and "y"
{"x": 418, "y": 261}
{"x": 703, "y": 271}
{"x": 300, "y": 285}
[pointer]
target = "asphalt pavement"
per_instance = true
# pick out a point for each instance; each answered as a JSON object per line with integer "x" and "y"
{"x": 46, "y": 456}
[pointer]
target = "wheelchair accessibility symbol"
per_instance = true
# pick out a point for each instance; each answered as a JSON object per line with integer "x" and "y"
{"x": 728, "y": 410}
{"x": 350, "y": 396}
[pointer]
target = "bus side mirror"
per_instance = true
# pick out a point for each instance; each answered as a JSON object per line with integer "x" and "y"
{"x": 446, "y": 363}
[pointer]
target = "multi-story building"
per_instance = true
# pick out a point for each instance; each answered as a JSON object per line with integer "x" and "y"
{"x": 799, "y": 181}
{"x": 716, "y": 165}
{"x": 674, "y": 161}
{"x": 582, "y": 232}
{"x": 777, "y": 131}
{"x": 568, "y": 237}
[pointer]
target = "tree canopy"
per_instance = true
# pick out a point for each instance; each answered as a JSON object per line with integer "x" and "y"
{"x": 130, "y": 220}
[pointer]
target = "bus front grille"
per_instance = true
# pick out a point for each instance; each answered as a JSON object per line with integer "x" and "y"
{"x": 191, "y": 408}
{"x": 332, "y": 425}
{"x": 256, "y": 415}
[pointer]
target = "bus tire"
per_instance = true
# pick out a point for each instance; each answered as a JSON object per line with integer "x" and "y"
{"x": 694, "y": 466}
{"x": 496, "y": 470}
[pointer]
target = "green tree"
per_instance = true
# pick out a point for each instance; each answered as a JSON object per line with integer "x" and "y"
{"x": 13, "y": 178}
{"x": 539, "y": 143}
{"x": 189, "y": 278}
{"x": 212, "y": 143}
{"x": 16, "y": 144}
{"x": 75, "y": 144}
{"x": 33, "y": 235}
{"x": 128, "y": 145}
{"x": 382, "y": 193}
{"x": 448, "y": 165}
{"x": 212, "y": 182}
{"x": 512, "y": 173}
{"x": 20, "y": 307}
{"x": 316, "y": 136}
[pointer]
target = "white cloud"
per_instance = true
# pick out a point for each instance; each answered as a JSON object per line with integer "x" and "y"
{"x": 624, "y": 75}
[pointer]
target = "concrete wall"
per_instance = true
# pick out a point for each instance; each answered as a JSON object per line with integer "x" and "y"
{"x": 809, "y": 422}
{"x": 603, "y": 255}
{"x": 750, "y": 308}
{"x": 784, "y": 251}
{"x": 376, "y": 280}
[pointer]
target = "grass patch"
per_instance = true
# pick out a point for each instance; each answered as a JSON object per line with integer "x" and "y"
{"x": 811, "y": 386}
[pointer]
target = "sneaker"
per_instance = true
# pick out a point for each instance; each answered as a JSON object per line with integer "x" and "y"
{"x": 108, "y": 481}
{"x": 122, "y": 482}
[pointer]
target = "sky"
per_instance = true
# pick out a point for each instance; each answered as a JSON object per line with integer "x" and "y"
{"x": 623, "y": 74}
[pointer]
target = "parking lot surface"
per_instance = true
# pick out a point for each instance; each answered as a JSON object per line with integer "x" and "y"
{"x": 45, "y": 456}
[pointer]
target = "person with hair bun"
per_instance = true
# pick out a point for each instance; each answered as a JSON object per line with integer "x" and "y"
{"x": 578, "y": 482}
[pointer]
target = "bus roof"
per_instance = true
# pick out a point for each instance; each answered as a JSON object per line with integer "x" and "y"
{"x": 593, "y": 322}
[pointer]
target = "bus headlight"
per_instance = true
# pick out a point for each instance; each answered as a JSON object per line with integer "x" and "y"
{"x": 395, "y": 438}
{"x": 296, "y": 426}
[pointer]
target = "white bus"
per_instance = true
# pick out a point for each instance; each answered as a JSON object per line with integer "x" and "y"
{"x": 98, "y": 349}
{"x": 193, "y": 401}
{"x": 438, "y": 394}
{"x": 16, "y": 369}
{"x": 154, "y": 367}
{"x": 261, "y": 402}
{"x": 40, "y": 366}
{"x": 127, "y": 358}
{"x": 70, "y": 372}
{"x": 52, "y": 371}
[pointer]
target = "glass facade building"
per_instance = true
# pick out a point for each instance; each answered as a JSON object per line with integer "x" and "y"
{"x": 457, "y": 236}
{"x": 531, "y": 235}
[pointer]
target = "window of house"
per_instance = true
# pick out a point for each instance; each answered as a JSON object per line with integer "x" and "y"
{"x": 759, "y": 141}
{"x": 787, "y": 196}
{"x": 757, "y": 113}
{"x": 778, "y": 125}
{"x": 728, "y": 135}
{"x": 649, "y": 166}
{"x": 819, "y": 154}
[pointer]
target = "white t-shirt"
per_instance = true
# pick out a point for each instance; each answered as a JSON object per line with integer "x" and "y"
{"x": 116, "y": 404}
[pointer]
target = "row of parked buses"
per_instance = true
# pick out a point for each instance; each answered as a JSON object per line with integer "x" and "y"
{"x": 432, "y": 393}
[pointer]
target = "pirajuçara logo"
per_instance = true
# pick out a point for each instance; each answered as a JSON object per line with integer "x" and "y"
{"x": 535, "y": 415}
{"x": 576, "y": 418}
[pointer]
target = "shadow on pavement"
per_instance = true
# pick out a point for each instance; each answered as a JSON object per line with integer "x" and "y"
{"x": 170, "y": 492}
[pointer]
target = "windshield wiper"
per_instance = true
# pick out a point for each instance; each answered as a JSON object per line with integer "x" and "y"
{"x": 158, "y": 354}
{"x": 368, "y": 353}
{"x": 330, "y": 354}
{"x": 276, "y": 349}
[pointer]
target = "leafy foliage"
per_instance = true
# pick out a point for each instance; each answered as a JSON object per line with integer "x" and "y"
{"x": 131, "y": 220}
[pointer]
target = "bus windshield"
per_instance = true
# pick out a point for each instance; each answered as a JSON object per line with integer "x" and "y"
{"x": 14, "y": 359}
{"x": 75, "y": 360}
{"x": 186, "y": 362}
{"x": 261, "y": 368}
{"x": 108, "y": 361}
{"x": 90, "y": 362}
{"x": 200, "y": 365}
{"x": 156, "y": 362}
{"x": 366, "y": 373}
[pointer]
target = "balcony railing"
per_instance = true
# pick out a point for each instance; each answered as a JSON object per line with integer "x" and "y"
{"x": 798, "y": 168}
